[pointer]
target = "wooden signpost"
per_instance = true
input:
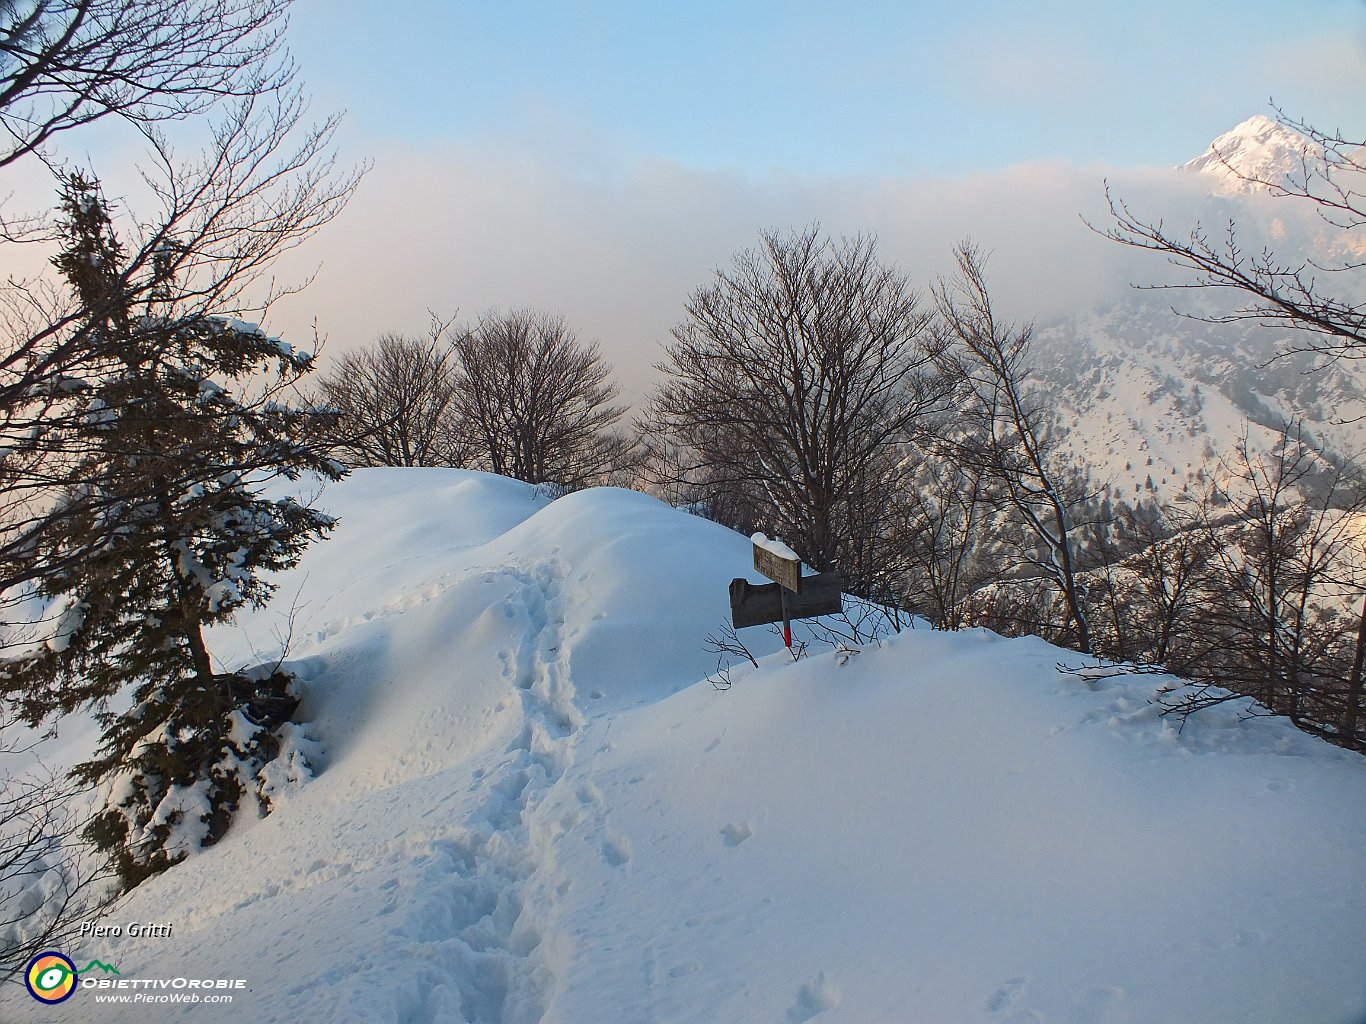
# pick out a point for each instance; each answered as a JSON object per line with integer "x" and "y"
{"x": 790, "y": 596}
{"x": 786, "y": 572}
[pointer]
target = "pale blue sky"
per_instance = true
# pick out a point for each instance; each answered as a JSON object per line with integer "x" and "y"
{"x": 869, "y": 88}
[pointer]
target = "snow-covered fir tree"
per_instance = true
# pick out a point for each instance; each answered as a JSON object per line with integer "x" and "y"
{"x": 173, "y": 435}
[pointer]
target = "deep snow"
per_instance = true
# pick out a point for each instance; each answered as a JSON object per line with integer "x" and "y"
{"x": 531, "y": 805}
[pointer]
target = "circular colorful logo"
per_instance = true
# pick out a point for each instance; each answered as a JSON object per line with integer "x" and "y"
{"x": 50, "y": 977}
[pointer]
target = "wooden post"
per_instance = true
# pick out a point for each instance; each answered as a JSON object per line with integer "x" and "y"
{"x": 787, "y": 620}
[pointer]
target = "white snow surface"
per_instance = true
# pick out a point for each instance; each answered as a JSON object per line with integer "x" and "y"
{"x": 774, "y": 546}
{"x": 531, "y": 805}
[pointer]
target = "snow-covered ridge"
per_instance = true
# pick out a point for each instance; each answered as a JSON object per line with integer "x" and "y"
{"x": 531, "y": 806}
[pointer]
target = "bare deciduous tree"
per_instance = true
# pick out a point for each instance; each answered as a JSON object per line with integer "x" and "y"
{"x": 1164, "y": 581}
{"x": 1250, "y": 593}
{"x": 537, "y": 404}
{"x": 1283, "y": 529}
{"x": 949, "y": 517}
{"x": 66, "y": 63}
{"x": 49, "y": 882}
{"x": 796, "y": 378}
{"x": 396, "y": 401}
{"x": 1009, "y": 432}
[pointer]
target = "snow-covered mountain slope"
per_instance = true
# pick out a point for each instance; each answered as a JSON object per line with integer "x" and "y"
{"x": 1258, "y": 152}
{"x": 531, "y": 805}
{"x": 1150, "y": 399}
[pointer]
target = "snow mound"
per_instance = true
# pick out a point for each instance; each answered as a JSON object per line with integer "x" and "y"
{"x": 530, "y": 805}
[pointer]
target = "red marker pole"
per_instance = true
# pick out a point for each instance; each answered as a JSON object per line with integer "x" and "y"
{"x": 787, "y": 622}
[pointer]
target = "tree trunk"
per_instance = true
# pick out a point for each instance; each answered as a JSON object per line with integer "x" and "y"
{"x": 1073, "y": 599}
{"x": 1349, "y": 713}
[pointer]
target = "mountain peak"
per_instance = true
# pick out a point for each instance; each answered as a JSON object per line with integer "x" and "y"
{"x": 1261, "y": 148}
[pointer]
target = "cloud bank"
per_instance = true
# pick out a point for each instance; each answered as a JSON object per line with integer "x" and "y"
{"x": 617, "y": 252}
